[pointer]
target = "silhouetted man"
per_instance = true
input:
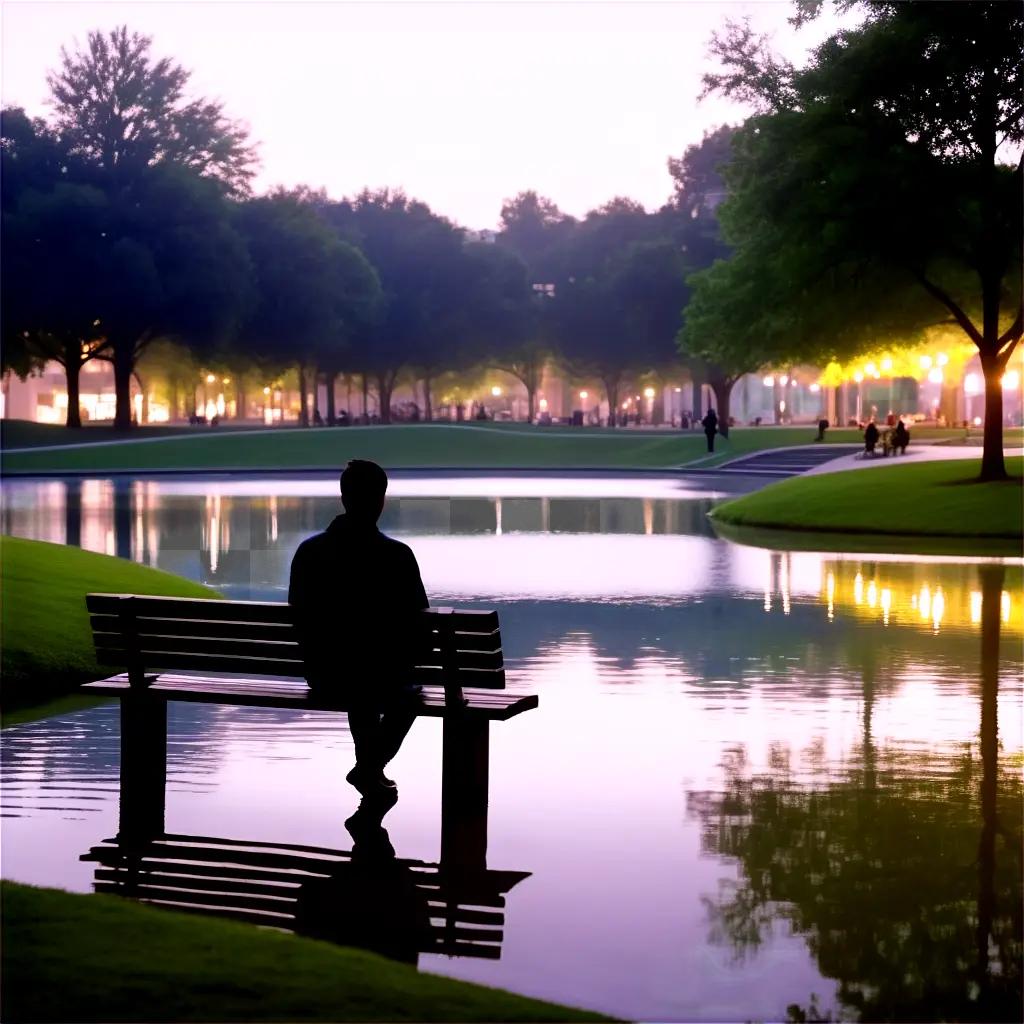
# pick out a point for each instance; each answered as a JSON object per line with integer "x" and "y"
{"x": 356, "y": 595}
{"x": 710, "y": 425}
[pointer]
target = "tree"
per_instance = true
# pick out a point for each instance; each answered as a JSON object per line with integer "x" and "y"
{"x": 314, "y": 291}
{"x": 170, "y": 264}
{"x": 870, "y": 189}
{"x": 123, "y": 110}
{"x": 534, "y": 228}
{"x": 423, "y": 271}
{"x": 617, "y": 304}
{"x": 52, "y": 279}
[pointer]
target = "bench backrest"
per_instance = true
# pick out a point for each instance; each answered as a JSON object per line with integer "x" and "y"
{"x": 258, "y": 638}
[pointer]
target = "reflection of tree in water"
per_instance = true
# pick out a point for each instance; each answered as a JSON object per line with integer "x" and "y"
{"x": 903, "y": 874}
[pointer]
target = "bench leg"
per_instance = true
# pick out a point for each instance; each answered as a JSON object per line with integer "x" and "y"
{"x": 464, "y": 786}
{"x": 143, "y": 766}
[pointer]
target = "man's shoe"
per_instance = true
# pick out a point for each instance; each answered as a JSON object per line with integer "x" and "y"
{"x": 369, "y": 783}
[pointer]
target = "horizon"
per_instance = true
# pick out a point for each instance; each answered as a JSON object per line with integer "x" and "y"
{"x": 490, "y": 108}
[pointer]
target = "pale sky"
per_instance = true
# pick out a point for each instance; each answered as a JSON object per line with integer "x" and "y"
{"x": 461, "y": 104}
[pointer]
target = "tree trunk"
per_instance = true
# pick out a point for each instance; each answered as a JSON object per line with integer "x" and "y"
{"x": 531, "y": 402}
{"x": 428, "y": 399}
{"x": 385, "y": 385}
{"x": 303, "y": 403}
{"x": 240, "y": 410}
{"x": 124, "y": 364}
{"x": 697, "y": 387}
{"x": 722, "y": 387}
{"x": 366, "y": 399}
{"x": 332, "y": 411}
{"x": 611, "y": 390}
{"x": 993, "y": 465}
{"x": 72, "y": 370}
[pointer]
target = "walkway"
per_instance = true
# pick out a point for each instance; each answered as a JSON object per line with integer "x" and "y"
{"x": 915, "y": 453}
{"x": 790, "y": 461}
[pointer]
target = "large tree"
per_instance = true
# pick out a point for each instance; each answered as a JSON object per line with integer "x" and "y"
{"x": 870, "y": 194}
{"x": 123, "y": 109}
{"x": 424, "y": 275}
{"x": 314, "y": 291}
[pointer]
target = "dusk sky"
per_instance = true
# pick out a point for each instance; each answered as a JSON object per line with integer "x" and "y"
{"x": 460, "y": 104}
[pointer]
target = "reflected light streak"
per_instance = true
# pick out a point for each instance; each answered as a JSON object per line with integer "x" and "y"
{"x": 924, "y": 602}
{"x": 886, "y": 602}
{"x": 1004, "y": 606}
{"x": 938, "y": 607}
{"x": 784, "y": 583}
{"x": 830, "y": 590}
{"x": 872, "y": 594}
{"x": 858, "y": 589}
{"x": 975, "y": 606}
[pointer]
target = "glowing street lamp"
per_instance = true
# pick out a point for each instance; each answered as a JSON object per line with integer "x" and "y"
{"x": 648, "y": 392}
{"x": 935, "y": 375}
{"x": 210, "y": 378}
{"x": 769, "y": 381}
{"x": 496, "y": 391}
{"x": 926, "y": 362}
{"x": 1011, "y": 380}
{"x": 584, "y": 395}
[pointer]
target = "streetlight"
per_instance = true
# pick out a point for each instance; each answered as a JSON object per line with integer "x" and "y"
{"x": 496, "y": 391}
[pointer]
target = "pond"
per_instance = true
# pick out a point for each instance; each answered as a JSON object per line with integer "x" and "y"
{"x": 759, "y": 783}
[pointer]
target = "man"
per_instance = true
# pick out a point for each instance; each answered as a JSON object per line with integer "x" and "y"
{"x": 356, "y": 595}
{"x": 710, "y": 425}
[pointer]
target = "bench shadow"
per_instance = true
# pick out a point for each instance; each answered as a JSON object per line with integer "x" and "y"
{"x": 365, "y": 896}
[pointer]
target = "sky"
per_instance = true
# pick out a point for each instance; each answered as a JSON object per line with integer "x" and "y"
{"x": 462, "y": 104}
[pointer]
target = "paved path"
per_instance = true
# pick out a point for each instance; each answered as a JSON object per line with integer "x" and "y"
{"x": 915, "y": 453}
{"x": 789, "y": 461}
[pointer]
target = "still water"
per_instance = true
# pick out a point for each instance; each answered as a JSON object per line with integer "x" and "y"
{"x": 759, "y": 784}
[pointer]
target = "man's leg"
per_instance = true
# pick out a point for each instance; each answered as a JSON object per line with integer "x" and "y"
{"x": 364, "y": 724}
{"x": 399, "y": 714}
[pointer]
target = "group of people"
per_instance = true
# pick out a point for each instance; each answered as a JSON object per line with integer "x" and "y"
{"x": 895, "y": 439}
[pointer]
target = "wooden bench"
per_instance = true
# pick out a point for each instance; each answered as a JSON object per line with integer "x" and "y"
{"x": 247, "y": 653}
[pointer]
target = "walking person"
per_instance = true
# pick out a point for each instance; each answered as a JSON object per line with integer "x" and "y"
{"x": 341, "y": 579}
{"x": 710, "y": 425}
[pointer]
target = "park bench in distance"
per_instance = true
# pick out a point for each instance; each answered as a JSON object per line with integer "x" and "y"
{"x": 247, "y": 653}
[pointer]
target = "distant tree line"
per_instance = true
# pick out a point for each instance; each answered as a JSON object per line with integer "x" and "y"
{"x": 128, "y": 220}
{"x": 874, "y": 194}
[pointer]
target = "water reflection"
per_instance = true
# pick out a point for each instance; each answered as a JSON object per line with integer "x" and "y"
{"x": 818, "y": 714}
{"x": 902, "y": 869}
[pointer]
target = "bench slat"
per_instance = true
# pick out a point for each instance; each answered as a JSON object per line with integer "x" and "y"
{"x": 265, "y": 647}
{"x": 271, "y": 612}
{"x": 254, "y": 693}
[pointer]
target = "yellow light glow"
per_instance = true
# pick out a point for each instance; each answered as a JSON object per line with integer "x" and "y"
{"x": 858, "y": 589}
{"x": 977, "y": 421}
{"x": 972, "y": 384}
{"x": 784, "y": 379}
{"x": 935, "y": 376}
{"x": 975, "y": 606}
{"x": 1011, "y": 380}
{"x": 225, "y": 380}
{"x": 768, "y": 381}
{"x": 830, "y": 590}
{"x": 887, "y": 364}
{"x": 870, "y": 369}
{"x": 496, "y": 391}
{"x": 1004, "y": 606}
{"x": 648, "y": 392}
{"x": 926, "y": 362}
{"x": 266, "y": 391}
{"x": 885, "y": 599}
{"x": 814, "y": 388}
{"x": 938, "y": 607}
{"x": 942, "y": 359}
{"x": 584, "y": 394}
{"x": 872, "y": 594}
{"x": 924, "y": 602}
{"x": 543, "y": 404}
{"x": 858, "y": 376}
{"x": 210, "y": 378}
{"x": 782, "y": 406}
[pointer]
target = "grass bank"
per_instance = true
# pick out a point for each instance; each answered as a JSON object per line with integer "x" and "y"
{"x": 401, "y": 446}
{"x": 44, "y": 627}
{"x": 931, "y": 499}
{"x": 99, "y": 958}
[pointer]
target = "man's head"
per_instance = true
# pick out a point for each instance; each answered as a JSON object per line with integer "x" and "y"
{"x": 363, "y": 485}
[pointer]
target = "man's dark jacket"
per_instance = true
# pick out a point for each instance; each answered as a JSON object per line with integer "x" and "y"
{"x": 356, "y": 594}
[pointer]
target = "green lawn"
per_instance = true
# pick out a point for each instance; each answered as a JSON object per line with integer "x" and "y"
{"x": 494, "y": 446}
{"x": 44, "y": 627}
{"x": 930, "y": 499}
{"x": 71, "y": 957}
